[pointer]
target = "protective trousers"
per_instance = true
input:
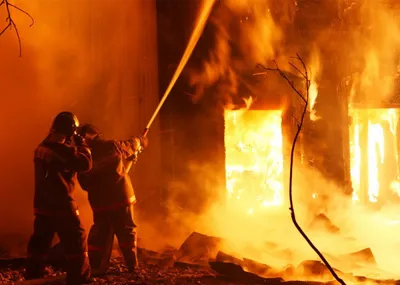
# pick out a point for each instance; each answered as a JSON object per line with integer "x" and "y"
{"x": 73, "y": 238}
{"x": 101, "y": 237}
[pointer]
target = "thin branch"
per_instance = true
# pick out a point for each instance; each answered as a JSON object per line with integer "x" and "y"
{"x": 283, "y": 75}
{"x": 294, "y": 118}
{"x": 10, "y": 22}
{"x": 260, "y": 73}
{"x": 305, "y": 98}
{"x": 298, "y": 70}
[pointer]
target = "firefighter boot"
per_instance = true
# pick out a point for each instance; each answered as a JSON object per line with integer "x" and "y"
{"x": 131, "y": 260}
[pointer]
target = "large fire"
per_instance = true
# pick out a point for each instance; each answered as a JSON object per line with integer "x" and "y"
{"x": 374, "y": 154}
{"x": 349, "y": 41}
{"x": 254, "y": 159}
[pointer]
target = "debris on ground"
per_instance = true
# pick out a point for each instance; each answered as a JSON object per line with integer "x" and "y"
{"x": 200, "y": 260}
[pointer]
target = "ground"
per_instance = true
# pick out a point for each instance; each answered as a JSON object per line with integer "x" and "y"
{"x": 199, "y": 260}
{"x": 179, "y": 273}
{"x": 147, "y": 274}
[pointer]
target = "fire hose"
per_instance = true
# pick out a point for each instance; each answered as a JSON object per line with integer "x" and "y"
{"x": 194, "y": 38}
{"x": 197, "y": 32}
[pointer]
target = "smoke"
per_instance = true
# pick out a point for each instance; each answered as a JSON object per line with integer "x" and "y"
{"x": 268, "y": 235}
{"x": 361, "y": 41}
{"x": 80, "y": 56}
{"x": 374, "y": 54}
{"x": 362, "y": 36}
{"x": 190, "y": 198}
{"x": 241, "y": 42}
{"x": 258, "y": 37}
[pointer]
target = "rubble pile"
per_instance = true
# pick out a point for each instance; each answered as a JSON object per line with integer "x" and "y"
{"x": 147, "y": 274}
{"x": 199, "y": 260}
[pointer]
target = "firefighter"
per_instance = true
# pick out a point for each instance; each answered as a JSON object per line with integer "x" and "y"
{"x": 111, "y": 196}
{"x": 57, "y": 160}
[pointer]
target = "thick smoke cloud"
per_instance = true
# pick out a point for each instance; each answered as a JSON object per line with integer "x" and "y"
{"x": 82, "y": 56}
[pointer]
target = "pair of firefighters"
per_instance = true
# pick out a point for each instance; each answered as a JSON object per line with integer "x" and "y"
{"x": 73, "y": 154}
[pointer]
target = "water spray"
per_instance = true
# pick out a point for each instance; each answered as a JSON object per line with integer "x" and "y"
{"x": 194, "y": 38}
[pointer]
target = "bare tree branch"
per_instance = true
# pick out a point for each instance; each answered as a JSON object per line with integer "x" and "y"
{"x": 295, "y": 68}
{"x": 284, "y": 76}
{"x": 10, "y": 22}
{"x": 304, "y": 73}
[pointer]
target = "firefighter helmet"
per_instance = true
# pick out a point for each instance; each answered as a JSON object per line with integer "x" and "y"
{"x": 65, "y": 123}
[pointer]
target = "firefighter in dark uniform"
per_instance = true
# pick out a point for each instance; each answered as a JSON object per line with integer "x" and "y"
{"x": 111, "y": 196}
{"x": 57, "y": 160}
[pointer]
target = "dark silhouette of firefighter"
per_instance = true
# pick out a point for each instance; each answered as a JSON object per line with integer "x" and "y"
{"x": 57, "y": 160}
{"x": 111, "y": 196}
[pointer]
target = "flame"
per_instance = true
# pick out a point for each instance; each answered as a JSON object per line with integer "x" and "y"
{"x": 355, "y": 159}
{"x": 373, "y": 133}
{"x": 376, "y": 77}
{"x": 259, "y": 35}
{"x": 315, "y": 67}
{"x": 249, "y": 102}
{"x": 395, "y": 187}
{"x": 374, "y": 153}
{"x": 374, "y": 53}
{"x": 254, "y": 159}
{"x": 313, "y": 93}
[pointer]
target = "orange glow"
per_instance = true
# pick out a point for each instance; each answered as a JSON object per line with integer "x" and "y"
{"x": 374, "y": 154}
{"x": 254, "y": 160}
{"x": 313, "y": 93}
{"x": 315, "y": 67}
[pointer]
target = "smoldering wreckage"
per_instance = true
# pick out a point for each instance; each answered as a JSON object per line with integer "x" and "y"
{"x": 200, "y": 260}
{"x": 205, "y": 259}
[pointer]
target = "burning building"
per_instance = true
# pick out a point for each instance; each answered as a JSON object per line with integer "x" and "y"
{"x": 258, "y": 138}
{"x": 247, "y": 145}
{"x": 350, "y": 143}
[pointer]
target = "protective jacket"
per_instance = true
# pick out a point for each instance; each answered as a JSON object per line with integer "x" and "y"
{"x": 56, "y": 166}
{"x": 108, "y": 184}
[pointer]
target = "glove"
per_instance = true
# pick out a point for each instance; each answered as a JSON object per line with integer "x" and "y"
{"x": 144, "y": 141}
{"x": 79, "y": 141}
